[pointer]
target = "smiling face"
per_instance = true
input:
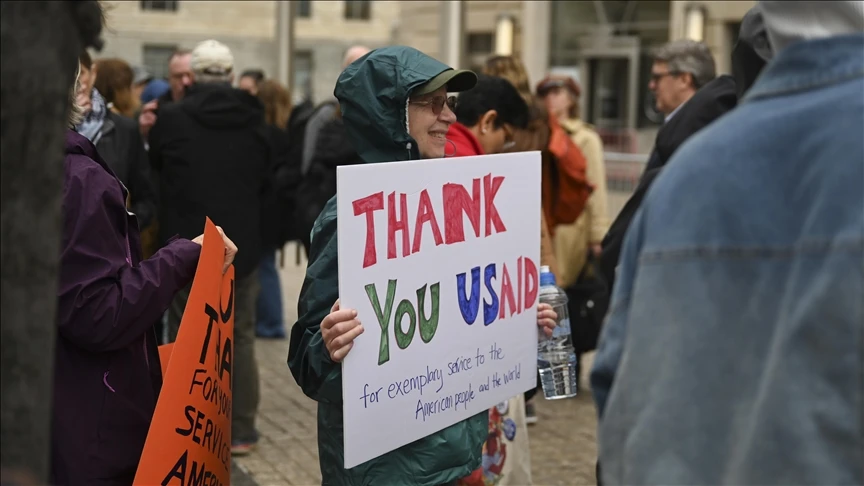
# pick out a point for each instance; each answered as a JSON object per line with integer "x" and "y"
{"x": 429, "y": 119}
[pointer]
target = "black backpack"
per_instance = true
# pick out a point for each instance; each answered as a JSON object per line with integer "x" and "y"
{"x": 297, "y": 124}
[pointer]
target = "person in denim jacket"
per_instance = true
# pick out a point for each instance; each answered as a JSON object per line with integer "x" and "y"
{"x": 733, "y": 350}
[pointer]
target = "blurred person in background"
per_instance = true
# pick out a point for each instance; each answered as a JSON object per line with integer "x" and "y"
{"x": 277, "y": 210}
{"x": 250, "y": 81}
{"x": 680, "y": 68}
{"x": 140, "y": 80}
{"x": 212, "y": 150}
{"x": 577, "y": 245}
{"x": 107, "y": 375}
{"x": 487, "y": 117}
{"x": 179, "y": 78}
{"x": 733, "y": 351}
{"x": 114, "y": 79}
{"x": 317, "y": 169}
{"x": 118, "y": 142}
{"x": 681, "y": 71}
{"x": 573, "y": 242}
{"x": 565, "y": 188}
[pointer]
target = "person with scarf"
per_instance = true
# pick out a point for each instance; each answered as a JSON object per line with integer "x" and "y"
{"x": 117, "y": 140}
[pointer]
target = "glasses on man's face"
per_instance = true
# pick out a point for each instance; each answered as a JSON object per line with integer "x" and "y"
{"x": 656, "y": 77}
{"x": 437, "y": 103}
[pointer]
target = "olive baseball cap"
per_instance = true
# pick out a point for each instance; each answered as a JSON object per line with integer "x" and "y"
{"x": 456, "y": 80}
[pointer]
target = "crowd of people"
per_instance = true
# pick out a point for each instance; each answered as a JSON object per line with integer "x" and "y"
{"x": 724, "y": 300}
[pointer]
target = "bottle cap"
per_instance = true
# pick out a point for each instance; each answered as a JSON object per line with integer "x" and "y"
{"x": 546, "y": 276}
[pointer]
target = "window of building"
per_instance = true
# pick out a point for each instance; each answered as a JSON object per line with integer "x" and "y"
{"x": 156, "y": 59}
{"x": 479, "y": 46}
{"x": 159, "y": 5}
{"x": 357, "y": 9}
{"x": 302, "y": 66}
{"x": 304, "y": 9}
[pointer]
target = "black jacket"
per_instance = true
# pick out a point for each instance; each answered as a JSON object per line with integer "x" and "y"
{"x": 708, "y": 104}
{"x": 213, "y": 151}
{"x": 332, "y": 149}
{"x": 120, "y": 145}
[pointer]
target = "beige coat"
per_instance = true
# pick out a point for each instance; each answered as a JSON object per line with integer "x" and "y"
{"x": 573, "y": 241}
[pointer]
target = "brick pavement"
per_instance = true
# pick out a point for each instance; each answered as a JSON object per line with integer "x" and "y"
{"x": 563, "y": 442}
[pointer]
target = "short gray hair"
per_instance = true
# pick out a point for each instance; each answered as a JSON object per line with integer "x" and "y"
{"x": 688, "y": 56}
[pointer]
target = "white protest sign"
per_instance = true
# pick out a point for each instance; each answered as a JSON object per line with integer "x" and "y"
{"x": 441, "y": 260}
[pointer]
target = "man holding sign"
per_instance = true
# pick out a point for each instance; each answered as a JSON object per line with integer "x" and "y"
{"x": 395, "y": 108}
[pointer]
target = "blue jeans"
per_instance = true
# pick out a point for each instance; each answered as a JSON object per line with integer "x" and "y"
{"x": 270, "y": 320}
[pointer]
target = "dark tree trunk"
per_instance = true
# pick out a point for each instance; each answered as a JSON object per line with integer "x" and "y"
{"x": 39, "y": 46}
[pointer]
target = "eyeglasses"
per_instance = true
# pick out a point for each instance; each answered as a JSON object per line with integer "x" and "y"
{"x": 437, "y": 103}
{"x": 656, "y": 77}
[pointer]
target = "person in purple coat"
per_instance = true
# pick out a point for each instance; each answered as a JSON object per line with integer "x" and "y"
{"x": 107, "y": 373}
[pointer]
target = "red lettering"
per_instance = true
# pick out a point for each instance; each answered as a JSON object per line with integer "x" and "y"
{"x": 490, "y": 189}
{"x": 368, "y": 205}
{"x": 394, "y": 225}
{"x": 425, "y": 214}
{"x": 457, "y": 201}
{"x": 531, "y": 287}
{"x": 519, "y": 289}
{"x": 506, "y": 294}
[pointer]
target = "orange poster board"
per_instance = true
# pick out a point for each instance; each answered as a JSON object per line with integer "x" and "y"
{"x": 189, "y": 441}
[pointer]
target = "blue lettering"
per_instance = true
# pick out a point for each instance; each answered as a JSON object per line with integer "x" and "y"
{"x": 469, "y": 306}
{"x": 490, "y": 311}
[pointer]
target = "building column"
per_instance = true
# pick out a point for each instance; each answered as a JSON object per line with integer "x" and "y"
{"x": 536, "y": 22}
{"x": 285, "y": 43}
{"x": 453, "y": 33}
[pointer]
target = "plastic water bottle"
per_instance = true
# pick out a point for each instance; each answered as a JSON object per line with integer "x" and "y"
{"x": 556, "y": 357}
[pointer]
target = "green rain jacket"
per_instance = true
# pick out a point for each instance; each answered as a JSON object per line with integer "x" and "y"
{"x": 373, "y": 93}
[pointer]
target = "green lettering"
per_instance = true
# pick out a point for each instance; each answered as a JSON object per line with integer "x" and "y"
{"x": 430, "y": 325}
{"x": 383, "y": 318}
{"x": 404, "y": 339}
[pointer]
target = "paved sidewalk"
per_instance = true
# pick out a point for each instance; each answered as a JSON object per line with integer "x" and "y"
{"x": 563, "y": 442}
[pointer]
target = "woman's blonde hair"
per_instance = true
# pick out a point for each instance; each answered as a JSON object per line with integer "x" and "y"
{"x": 76, "y": 113}
{"x": 276, "y": 101}
{"x": 114, "y": 82}
{"x": 513, "y": 70}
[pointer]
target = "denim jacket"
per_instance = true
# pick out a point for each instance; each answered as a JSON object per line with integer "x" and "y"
{"x": 734, "y": 348}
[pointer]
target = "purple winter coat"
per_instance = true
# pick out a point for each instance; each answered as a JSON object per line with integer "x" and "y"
{"x": 107, "y": 370}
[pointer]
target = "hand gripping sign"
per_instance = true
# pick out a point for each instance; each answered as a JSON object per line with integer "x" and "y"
{"x": 189, "y": 441}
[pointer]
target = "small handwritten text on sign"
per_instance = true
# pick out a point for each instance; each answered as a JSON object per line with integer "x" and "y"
{"x": 440, "y": 258}
{"x": 189, "y": 441}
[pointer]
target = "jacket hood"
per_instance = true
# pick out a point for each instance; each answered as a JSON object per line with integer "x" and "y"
{"x": 221, "y": 106}
{"x": 373, "y": 94}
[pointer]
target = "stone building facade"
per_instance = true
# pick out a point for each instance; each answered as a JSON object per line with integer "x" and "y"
{"x": 146, "y": 32}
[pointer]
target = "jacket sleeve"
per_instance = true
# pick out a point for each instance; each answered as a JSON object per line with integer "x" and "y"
{"x": 310, "y": 363}
{"x": 104, "y": 303}
{"x": 598, "y": 216}
{"x": 610, "y": 347}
